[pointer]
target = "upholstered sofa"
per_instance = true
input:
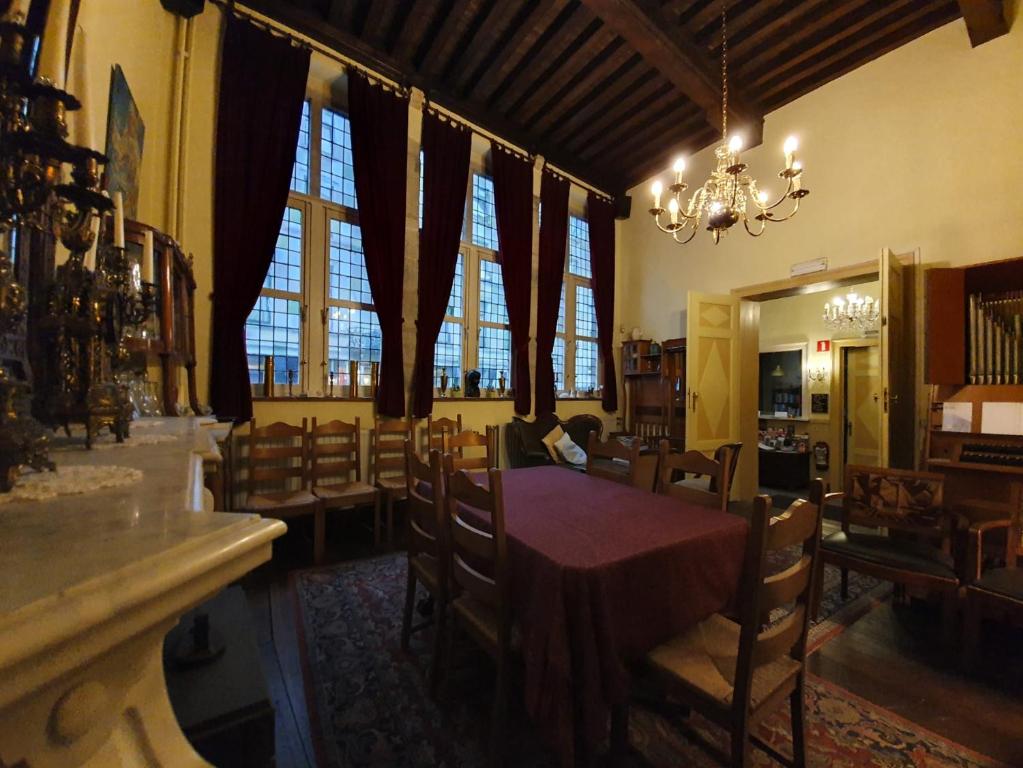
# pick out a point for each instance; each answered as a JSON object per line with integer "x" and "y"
{"x": 524, "y": 439}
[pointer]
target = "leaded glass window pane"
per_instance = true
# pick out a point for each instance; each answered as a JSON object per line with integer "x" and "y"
{"x": 285, "y": 273}
{"x": 578, "y": 247}
{"x": 352, "y": 334}
{"x": 447, "y": 354}
{"x": 492, "y": 304}
{"x": 300, "y": 171}
{"x": 347, "y": 268}
{"x": 585, "y": 314}
{"x": 337, "y": 174}
{"x": 495, "y": 355}
{"x": 484, "y": 212}
{"x": 558, "y": 357}
{"x": 274, "y": 327}
{"x": 585, "y": 365}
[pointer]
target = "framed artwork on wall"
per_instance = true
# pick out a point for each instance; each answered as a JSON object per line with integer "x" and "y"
{"x": 126, "y": 134}
{"x": 818, "y": 403}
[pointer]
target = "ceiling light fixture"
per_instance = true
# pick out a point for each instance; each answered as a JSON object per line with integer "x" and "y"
{"x": 723, "y": 199}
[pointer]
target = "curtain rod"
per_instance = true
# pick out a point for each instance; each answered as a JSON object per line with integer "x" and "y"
{"x": 230, "y": 6}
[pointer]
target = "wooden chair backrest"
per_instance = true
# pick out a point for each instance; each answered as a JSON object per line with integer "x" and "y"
{"x": 761, "y": 642}
{"x": 897, "y": 499}
{"x": 693, "y": 463}
{"x": 611, "y": 449}
{"x": 437, "y": 428}
{"x": 479, "y": 550}
{"x": 426, "y": 513}
{"x": 277, "y": 455}
{"x": 335, "y": 451}
{"x": 387, "y": 447}
{"x": 728, "y": 455}
{"x": 457, "y": 444}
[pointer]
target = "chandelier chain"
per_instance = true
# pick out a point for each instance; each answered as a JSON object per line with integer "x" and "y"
{"x": 724, "y": 69}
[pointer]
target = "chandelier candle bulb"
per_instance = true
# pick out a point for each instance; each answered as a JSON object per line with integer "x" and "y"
{"x": 90, "y": 255}
{"x": 148, "y": 258}
{"x": 679, "y": 167}
{"x": 656, "y": 189}
{"x": 53, "y": 50}
{"x": 79, "y": 80}
{"x": 673, "y": 209}
{"x": 791, "y": 144}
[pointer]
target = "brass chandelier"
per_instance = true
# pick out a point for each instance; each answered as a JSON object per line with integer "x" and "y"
{"x": 730, "y": 194}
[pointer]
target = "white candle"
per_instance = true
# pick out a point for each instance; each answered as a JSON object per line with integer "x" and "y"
{"x": 78, "y": 84}
{"x": 118, "y": 219}
{"x": 90, "y": 255}
{"x": 656, "y": 189}
{"x": 53, "y": 50}
{"x": 148, "y": 258}
{"x": 18, "y": 11}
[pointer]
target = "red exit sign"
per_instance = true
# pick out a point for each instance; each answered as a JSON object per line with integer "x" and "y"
{"x": 824, "y": 345}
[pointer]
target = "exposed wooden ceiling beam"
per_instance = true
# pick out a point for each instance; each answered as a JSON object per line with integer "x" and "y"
{"x": 580, "y": 90}
{"x": 311, "y": 24}
{"x": 417, "y": 21}
{"x": 647, "y": 92}
{"x": 488, "y": 34}
{"x": 443, "y": 45}
{"x": 645, "y": 27}
{"x": 378, "y": 22}
{"x": 637, "y": 168}
{"x": 985, "y": 20}
{"x": 502, "y": 66}
{"x": 633, "y": 75}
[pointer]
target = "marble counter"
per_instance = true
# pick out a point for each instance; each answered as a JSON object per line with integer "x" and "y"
{"x": 89, "y": 585}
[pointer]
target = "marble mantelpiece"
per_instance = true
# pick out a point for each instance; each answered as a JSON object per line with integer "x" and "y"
{"x": 89, "y": 586}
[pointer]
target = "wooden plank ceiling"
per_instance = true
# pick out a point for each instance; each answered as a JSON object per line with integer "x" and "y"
{"x": 609, "y": 90}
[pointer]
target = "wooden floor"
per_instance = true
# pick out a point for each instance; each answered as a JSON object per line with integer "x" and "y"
{"x": 888, "y": 657}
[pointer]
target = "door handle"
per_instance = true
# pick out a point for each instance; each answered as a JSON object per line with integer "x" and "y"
{"x": 695, "y": 395}
{"x": 886, "y": 399}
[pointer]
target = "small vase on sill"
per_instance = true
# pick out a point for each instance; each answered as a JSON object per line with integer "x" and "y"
{"x": 443, "y": 382}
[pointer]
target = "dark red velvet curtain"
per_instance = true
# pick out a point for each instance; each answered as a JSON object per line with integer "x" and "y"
{"x": 601, "y": 215}
{"x": 262, "y": 87}
{"x": 446, "y": 147}
{"x": 553, "y": 242}
{"x": 513, "y": 200}
{"x": 379, "y": 119}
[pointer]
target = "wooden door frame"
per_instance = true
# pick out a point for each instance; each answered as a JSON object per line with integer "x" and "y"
{"x": 748, "y": 477}
{"x": 838, "y": 389}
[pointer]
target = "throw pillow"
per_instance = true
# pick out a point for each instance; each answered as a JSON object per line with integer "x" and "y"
{"x": 571, "y": 452}
{"x": 550, "y": 439}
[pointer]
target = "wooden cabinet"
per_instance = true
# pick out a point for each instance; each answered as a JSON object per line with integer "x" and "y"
{"x": 654, "y": 386}
{"x": 172, "y": 337}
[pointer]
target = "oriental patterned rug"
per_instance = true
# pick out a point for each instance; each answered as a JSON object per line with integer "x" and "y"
{"x": 369, "y": 707}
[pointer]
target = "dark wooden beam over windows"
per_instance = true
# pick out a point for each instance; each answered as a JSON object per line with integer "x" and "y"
{"x": 985, "y": 19}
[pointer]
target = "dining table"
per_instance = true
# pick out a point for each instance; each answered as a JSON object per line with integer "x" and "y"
{"x": 601, "y": 573}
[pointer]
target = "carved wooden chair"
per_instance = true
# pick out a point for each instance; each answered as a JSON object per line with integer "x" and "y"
{"x": 387, "y": 460}
{"x": 433, "y": 434}
{"x": 673, "y": 468}
{"x": 738, "y": 673}
{"x": 278, "y": 478}
{"x": 457, "y": 445}
{"x": 479, "y": 566}
{"x": 916, "y": 551}
{"x": 731, "y": 450}
{"x": 335, "y": 470}
{"x": 995, "y": 592}
{"x": 428, "y": 550}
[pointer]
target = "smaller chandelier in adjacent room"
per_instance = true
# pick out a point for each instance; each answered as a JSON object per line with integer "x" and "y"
{"x": 853, "y": 313}
{"x": 729, "y": 195}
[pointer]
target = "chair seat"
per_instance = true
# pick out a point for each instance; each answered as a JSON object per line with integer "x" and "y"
{"x": 482, "y": 618}
{"x": 618, "y": 469}
{"x": 426, "y": 569}
{"x": 392, "y": 485}
{"x": 340, "y": 493}
{"x": 704, "y": 660}
{"x": 299, "y": 502}
{"x": 1002, "y": 581}
{"x": 892, "y": 553}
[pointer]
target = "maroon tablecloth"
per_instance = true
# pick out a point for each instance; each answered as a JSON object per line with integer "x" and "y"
{"x": 601, "y": 574}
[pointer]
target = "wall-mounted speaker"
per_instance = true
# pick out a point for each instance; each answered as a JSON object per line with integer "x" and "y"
{"x": 186, "y": 8}
{"x": 623, "y": 207}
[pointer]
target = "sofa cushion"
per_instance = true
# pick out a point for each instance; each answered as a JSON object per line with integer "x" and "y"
{"x": 892, "y": 553}
{"x": 551, "y": 439}
{"x": 1002, "y": 581}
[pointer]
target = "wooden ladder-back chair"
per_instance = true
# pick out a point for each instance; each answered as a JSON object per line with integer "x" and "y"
{"x": 278, "y": 479}
{"x": 433, "y": 435}
{"x": 600, "y": 459}
{"x": 671, "y": 465}
{"x": 428, "y": 550}
{"x": 915, "y": 552}
{"x": 479, "y": 566}
{"x": 732, "y": 451}
{"x": 736, "y": 674}
{"x": 335, "y": 469}
{"x": 456, "y": 446}
{"x": 997, "y": 591}
{"x": 387, "y": 457}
